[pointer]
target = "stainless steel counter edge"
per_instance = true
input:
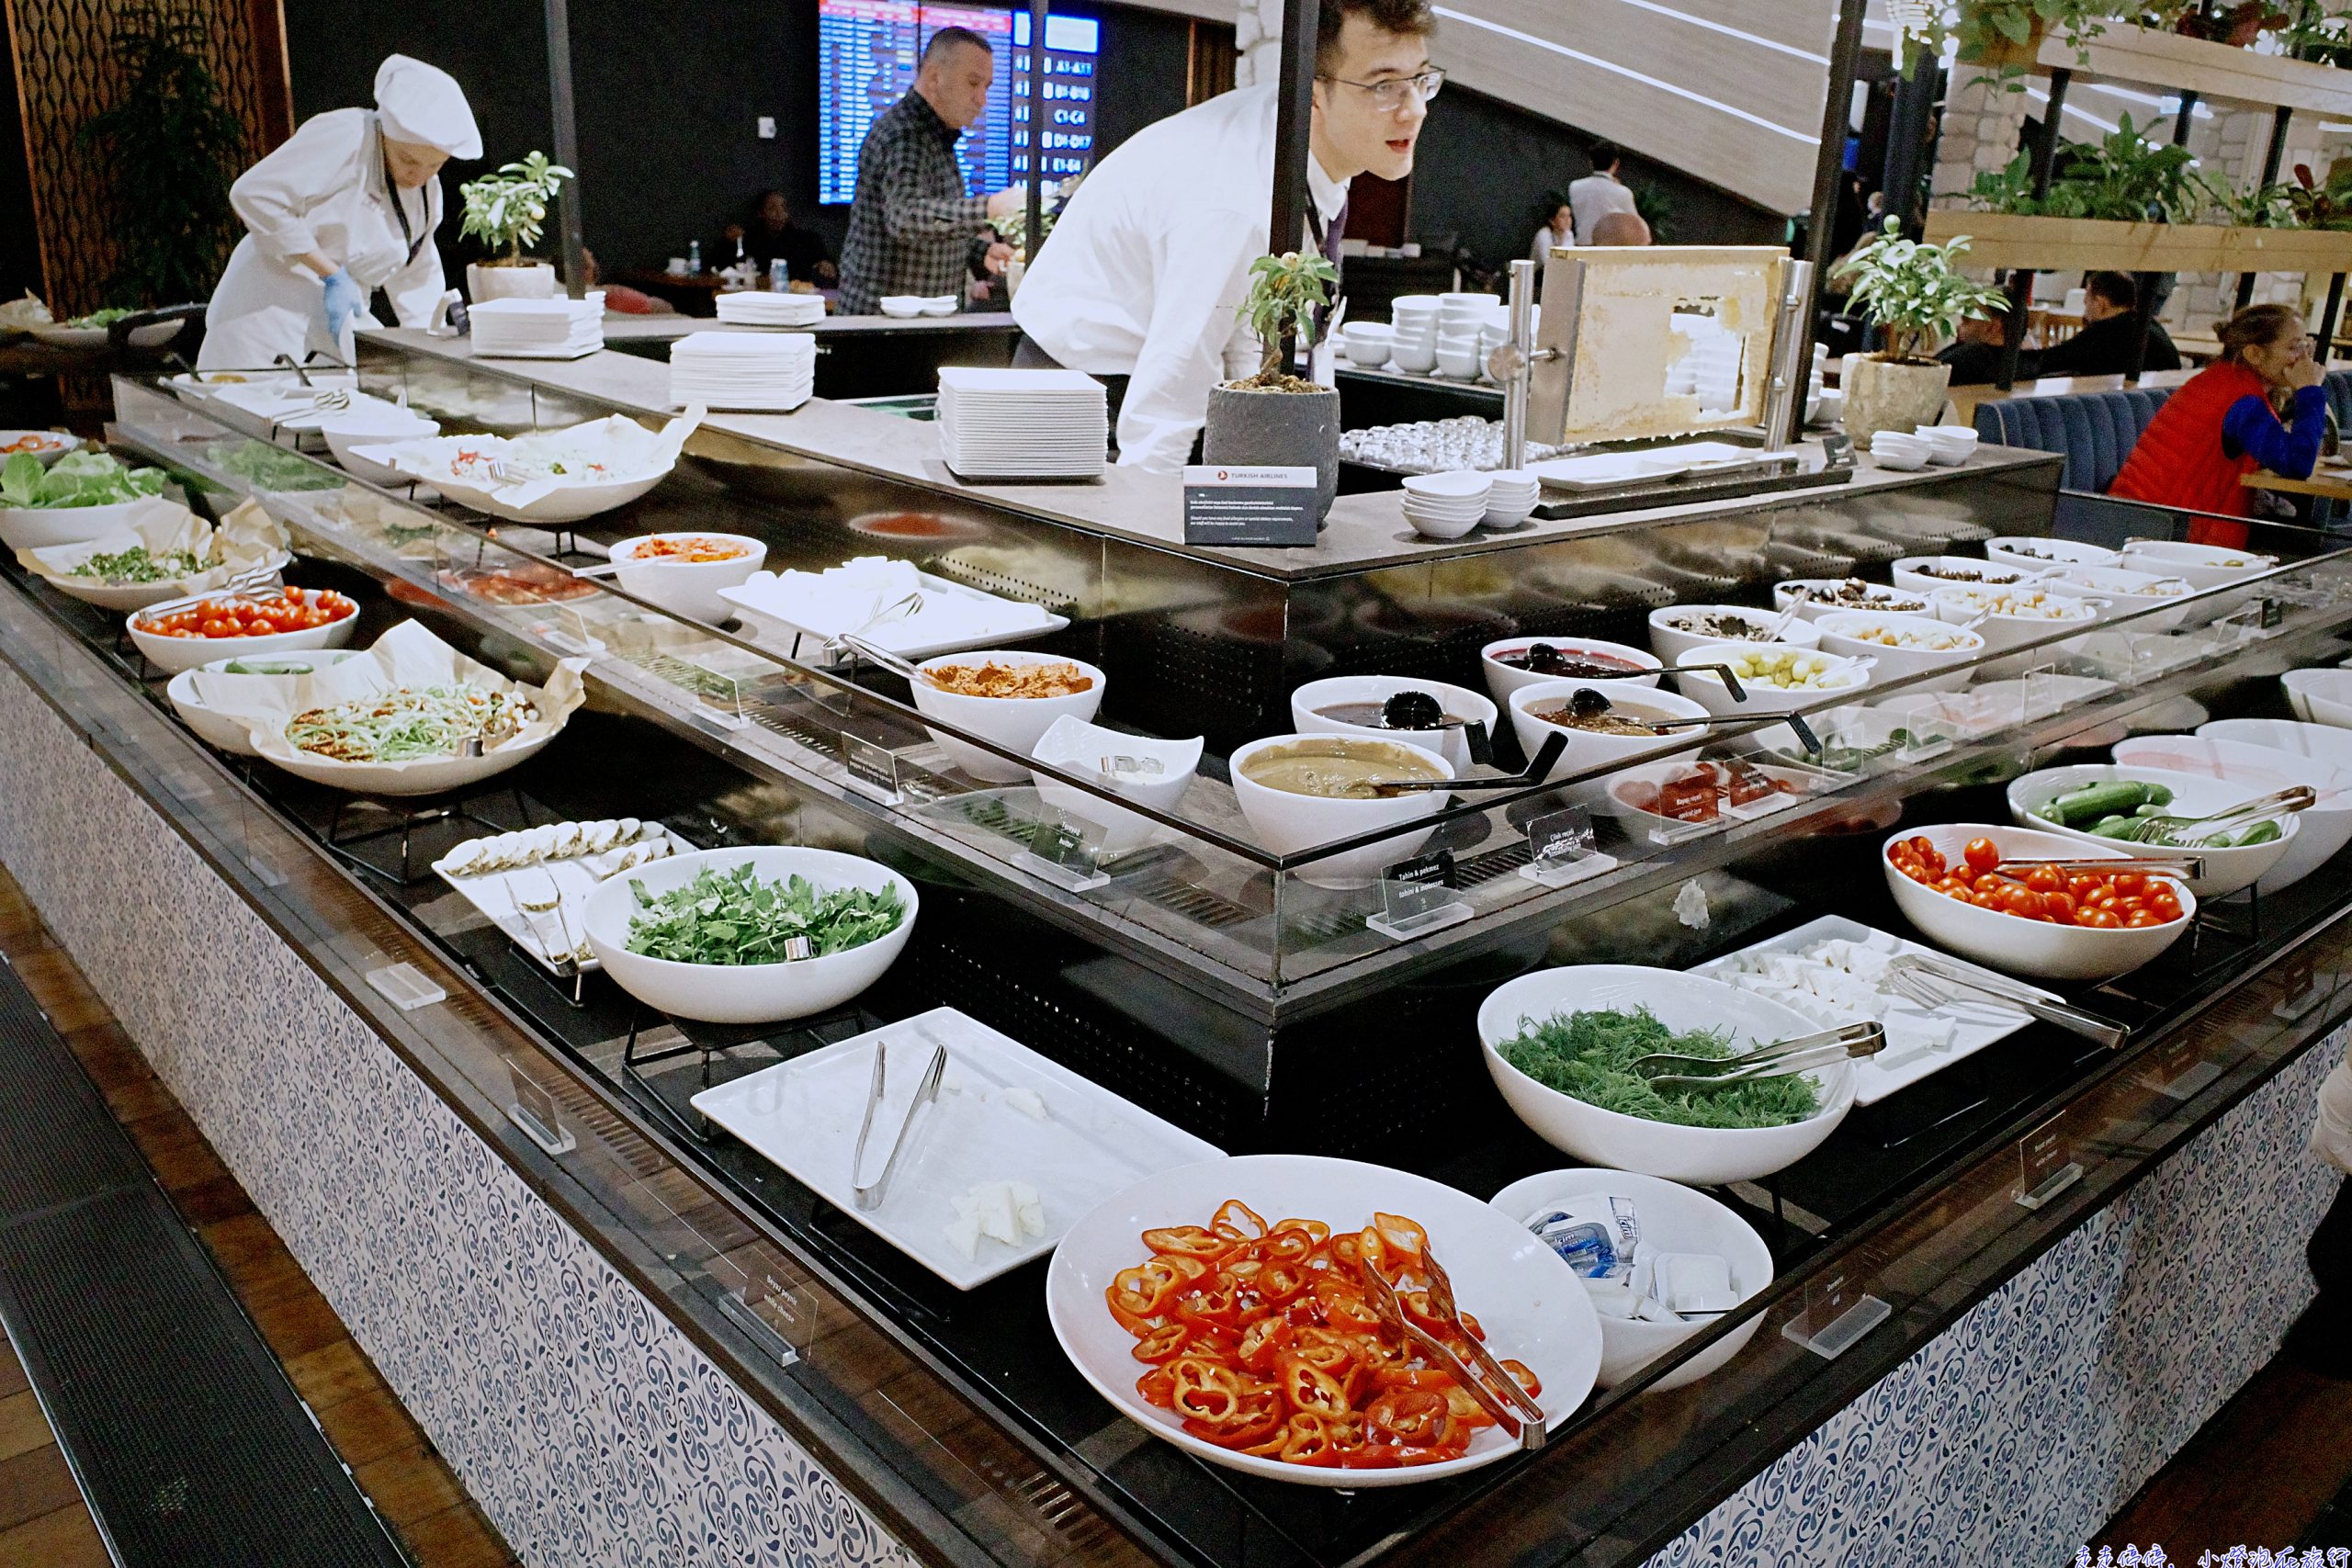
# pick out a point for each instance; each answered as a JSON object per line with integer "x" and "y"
{"x": 1365, "y": 531}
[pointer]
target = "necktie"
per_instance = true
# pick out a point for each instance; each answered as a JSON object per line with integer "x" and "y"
{"x": 1330, "y": 236}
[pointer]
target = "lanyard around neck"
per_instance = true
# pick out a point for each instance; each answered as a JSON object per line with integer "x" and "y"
{"x": 400, "y": 212}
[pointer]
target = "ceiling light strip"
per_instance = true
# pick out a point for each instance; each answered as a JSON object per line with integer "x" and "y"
{"x": 1629, "y": 73}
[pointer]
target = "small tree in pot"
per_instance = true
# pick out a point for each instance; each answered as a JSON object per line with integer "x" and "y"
{"x": 1916, "y": 292}
{"x": 507, "y": 211}
{"x": 1275, "y": 418}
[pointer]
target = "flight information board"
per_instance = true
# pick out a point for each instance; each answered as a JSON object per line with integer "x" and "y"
{"x": 866, "y": 55}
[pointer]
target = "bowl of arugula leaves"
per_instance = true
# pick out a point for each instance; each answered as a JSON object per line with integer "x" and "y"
{"x": 753, "y": 935}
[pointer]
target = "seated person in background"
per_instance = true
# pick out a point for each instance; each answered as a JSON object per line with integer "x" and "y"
{"x": 1559, "y": 228}
{"x": 1619, "y": 229}
{"x": 1975, "y": 358}
{"x": 2223, "y": 424}
{"x": 2110, "y": 329}
{"x": 770, "y": 235}
{"x": 619, "y": 296}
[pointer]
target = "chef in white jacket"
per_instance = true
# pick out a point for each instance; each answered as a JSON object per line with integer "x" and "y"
{"x": 347, "y": 205}
{"x": 1141, "y": 282}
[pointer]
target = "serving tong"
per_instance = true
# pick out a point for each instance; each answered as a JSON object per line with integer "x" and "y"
{"x": 1511, "y": 1407}
{"x": 2187, "y": 866}
{"x": 1587, "y": 703}
{"x": 1782, "y": 1058}
{"x": 239, "y": 586}
{"x": 334, "y": 400}
{"x": 1537, "y": 771}
{"x": 2246, "y": 813}
{"x": 854, "y": 641}
{"x": 869, "y": 1194}
{"x": 1921, "y": 978}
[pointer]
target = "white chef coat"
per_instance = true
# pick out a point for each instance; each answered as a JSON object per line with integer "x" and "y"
{"x": 323, "y": 190}
{"x": 2332, "y": 1127}
{"x": 1592, "y": 198}
{"x": 1147, "y": 268}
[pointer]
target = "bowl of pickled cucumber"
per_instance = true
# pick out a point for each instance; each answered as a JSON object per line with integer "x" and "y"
{"x": 2154, "y": 811}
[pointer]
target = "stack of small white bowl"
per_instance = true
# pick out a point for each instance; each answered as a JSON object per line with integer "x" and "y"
{"x": 1511, "y": 495}
{"x": 1446, "y": 506}
{"x": 1460, "y": 333}
{"x": 1950, "y": 445}
{"x": 1367, "y": 344}
{"x": 1894, "y": 449}
{"x": 1414, "y": 329}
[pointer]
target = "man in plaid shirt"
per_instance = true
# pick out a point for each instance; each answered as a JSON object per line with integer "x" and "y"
{"x": 912, "y": 230}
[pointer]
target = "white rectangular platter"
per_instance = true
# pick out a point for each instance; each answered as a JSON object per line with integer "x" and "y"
{"x": 576, "y": 879}
{"x": 978, "y": 619}
{"x": 1914, "y": 1046}
{"x": 804, "y": 1114}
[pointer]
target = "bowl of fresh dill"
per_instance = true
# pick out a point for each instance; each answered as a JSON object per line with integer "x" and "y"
{"x": 1561, "y": 1044}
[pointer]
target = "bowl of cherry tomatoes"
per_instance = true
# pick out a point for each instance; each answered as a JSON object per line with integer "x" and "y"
{"x": 176, "y": 637}
{"x": 1987, "y": 893}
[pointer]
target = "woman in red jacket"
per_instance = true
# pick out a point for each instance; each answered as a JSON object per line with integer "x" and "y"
{"x": 2225, "y": 424}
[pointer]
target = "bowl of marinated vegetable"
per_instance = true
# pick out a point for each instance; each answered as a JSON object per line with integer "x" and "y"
{"x": 753, "y": 935}
{"x": 1564, "y": 1046}
{"x": 279, "y": 620}
{"x": 2152, "y": 810}
{"x": 1991, "y": 894}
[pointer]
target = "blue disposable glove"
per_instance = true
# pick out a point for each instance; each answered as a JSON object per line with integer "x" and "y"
{"x": 343, "y": 299}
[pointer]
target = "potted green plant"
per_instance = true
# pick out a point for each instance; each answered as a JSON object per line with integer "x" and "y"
{"x": 1274, "y": 418}
{"x": 508, "y": 211}
{"x": 1917, "y": 294}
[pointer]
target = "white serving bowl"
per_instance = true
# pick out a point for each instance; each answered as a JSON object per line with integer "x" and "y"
{"x": 57, "y": 442}
{"x": 1915, "y": 574}
{"x": 1017, "y": 724}
{"x": 1502, "y": 679}
{"x": 1674, "y": 1219}
{"x": 1884, "y": 600}
{"x": 36, "y": 527}
{"x": 1461, "y": 702}
{"x": 1431, "y": 524}
{"x": 1076, "y": 746}
{"x": 375, "y": 427}
{"x": 1414, "y": 353}
{"x": 1838, "y": 636}
{"x": 2011, "y": 943}
{"x": 1589, "y": 748}
{"x": 1670, "y": 644}
{"x": 173, "y": 654}
{"x": 1845, "y": 676}
{"x": 2127, "y": 593}
{"x": 1904, "y": 454}
{"x": 2327, "y": 744}
{"x": 2321, "y": 829}
{"x": 1461, "y": 485}
{"x": 1950, "y": 444}
{"x": 688, "y": 588}
{"x": 1703, "y": 1157}
{"x": 1368, "y": 354}
{"x": 2226, "y": 871}
{"x": 2321, "y": 696}
{"x": 1462, "y": 364}
{"x": 745, "y": 993}
{"x": 124, "y": 598}
{"x": 1529, "y": 1301}
{"x": 1288, "y": 824}
{"x": 565, "y": 503}
{"x": 215, "y": 729}
{"x": 1959, "y": 604}
{"x": 2205, "y": 566}
{"x": 2012, "y": 550}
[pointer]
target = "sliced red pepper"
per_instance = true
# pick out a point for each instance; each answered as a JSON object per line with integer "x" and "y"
{"x": 1148, "y": 1289}
{"x": 1163, "y": 1344}
{"x": 1307, "y": 1440}
{"x": 1259, "y": 1420}
{"x": 1188, "y": 1241}
{"x": 1408, "y": 1417}
{"x": 1344, "y": 1305}
{"x": 1236, "y": 1221}
{"x": 1215, "y": 1307}
{"x": 1264, "y": 1340}
{"x": 1205, "y": 1391}
{"x": 1157, "y": 1387}
{"x": 1283, "y": 1247}
{"x": 1404, "y": 1239}
{"x": 1279, "y": 1283}
{"x": 1316, "y": 1228}
{"x": 1520, "y": 1373}
{"x": 1305, "y": 1386}
{"x": 1346, "y": 1251}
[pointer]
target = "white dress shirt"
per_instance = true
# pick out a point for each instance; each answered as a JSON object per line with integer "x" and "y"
{"x": 1592, "y": 198}
{"x": 1146, "y": 271}
{"x": 1539, "y": 249}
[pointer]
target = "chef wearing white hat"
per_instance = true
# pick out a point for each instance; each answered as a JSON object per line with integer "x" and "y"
{"x": 347, "y": 205}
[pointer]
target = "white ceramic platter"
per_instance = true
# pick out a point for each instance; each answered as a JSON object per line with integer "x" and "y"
{"x": 1530, "y": 1303}
{"x": 804, "y": 1114}
{"x": 979, "y": 620}
{"x": 575, "y": 877}
{"x": 1915, "y": 1046}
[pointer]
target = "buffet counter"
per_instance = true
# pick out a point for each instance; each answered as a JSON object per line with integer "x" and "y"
{"x": 1998, "y": 1298}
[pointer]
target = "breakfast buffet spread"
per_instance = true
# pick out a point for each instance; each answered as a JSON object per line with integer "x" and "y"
{"x": 1275, "y": 1311}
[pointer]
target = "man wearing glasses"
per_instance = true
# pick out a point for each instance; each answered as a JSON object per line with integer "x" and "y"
{"x": 1141, "y": 283}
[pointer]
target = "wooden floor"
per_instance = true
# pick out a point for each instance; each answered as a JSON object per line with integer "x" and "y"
{"x": 43, "y": 1521}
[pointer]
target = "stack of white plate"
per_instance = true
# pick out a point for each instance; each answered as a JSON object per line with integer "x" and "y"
{"x": 540, "y": 328}
{"x": 1446, "y": 506}
{"x": 1894, "y": 449}
{"x": 1510, "y": 497}
{"x": 906, "y": 307}
{"x": 757, "y": 308}
{"x": 1415, "y": 318}
{"x": 1009, "y": 424}
{"x": 752, "y": 372}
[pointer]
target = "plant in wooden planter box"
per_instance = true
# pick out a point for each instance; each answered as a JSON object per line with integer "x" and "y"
{"x": 2120, "y": 177}
{"x": 2234, "y": 22}
{"x": 508, "y": 211}
{"x": 1917, "y": 294}
{"x": 1274, "y": 418}
{"x": 2317, "y": 204}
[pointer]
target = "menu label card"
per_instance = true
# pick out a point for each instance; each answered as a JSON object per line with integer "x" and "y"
{"x": 1233, "y": 506}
